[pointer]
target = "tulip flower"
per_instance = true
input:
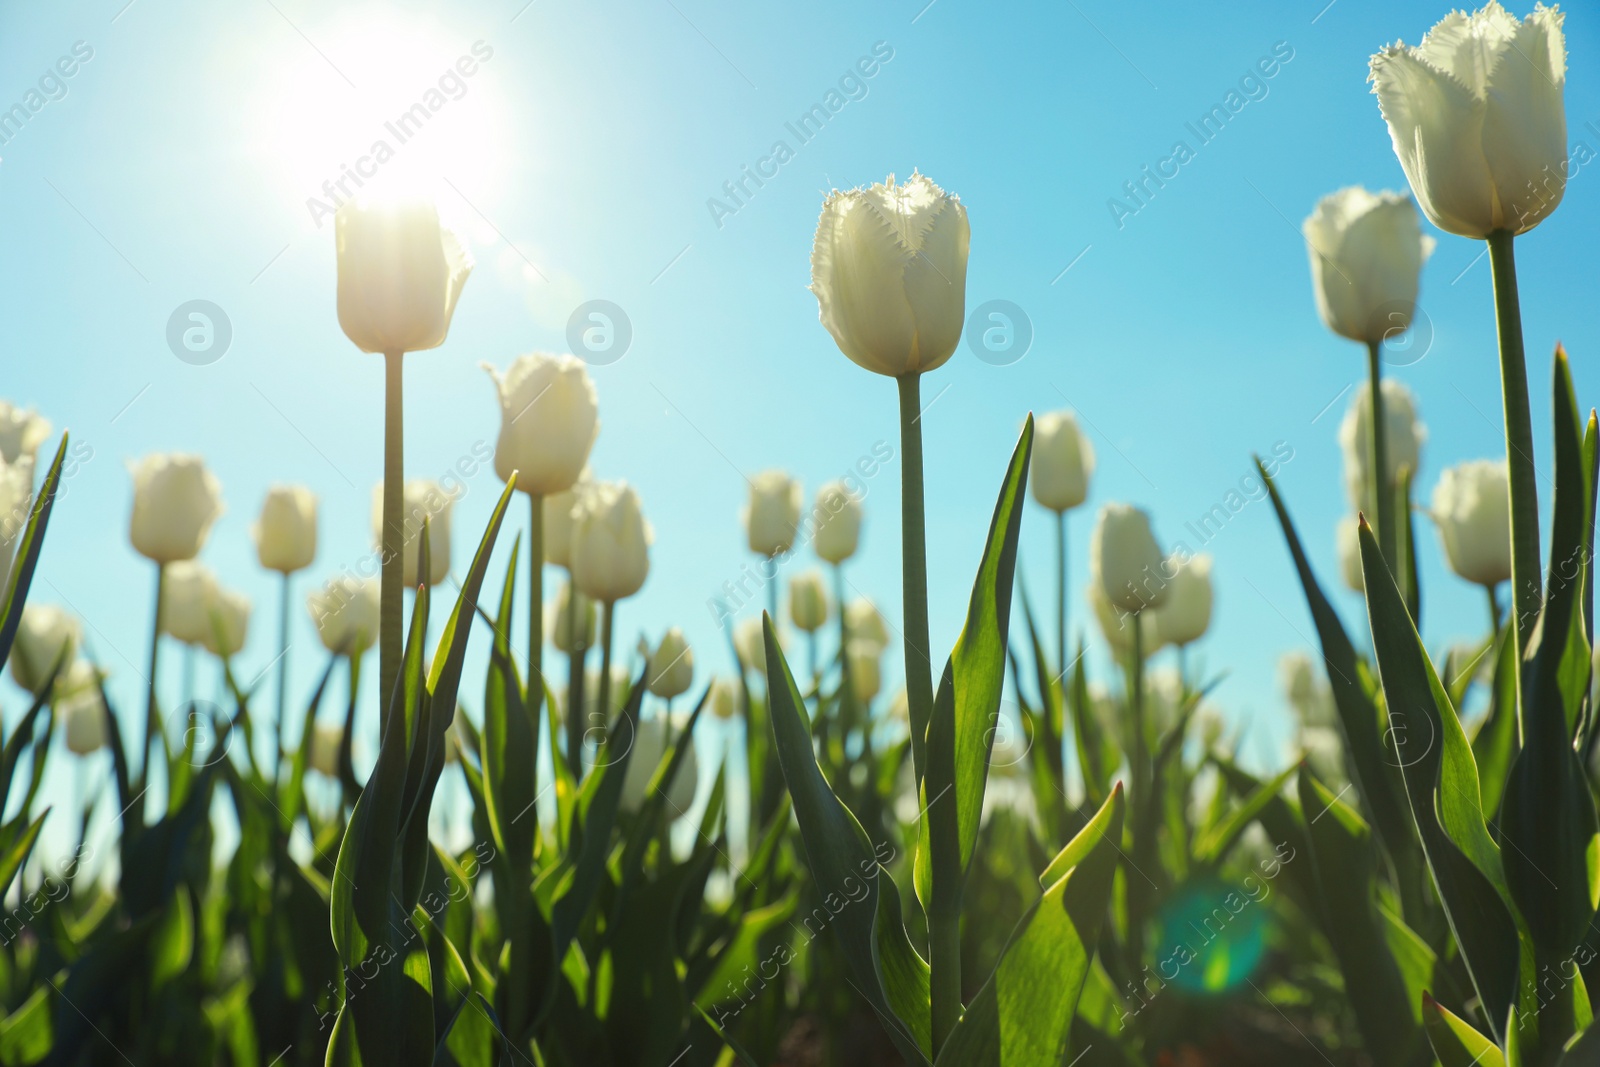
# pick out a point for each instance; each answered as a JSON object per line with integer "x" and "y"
{"x": 610, "y": 556}
{"x": 323, "y": 757}
{"x": 724, "y": 698}
{"x": 21, "y": 432}
{"x": 558, "y": 521}
{"x": 1117, "y": 626}
{"x": 773, "y": 514}
{"x": 838, "y": 522}
{"x": 866, "y": 676}
{"x": 808, "y": 601}
{"x": 1403, "y": 431}
{"x": 175, "y": 501}
{"x": 671, "y": 669}
{"x": 1347, "y": 543}
{"x": 346, "y": 612}
{"x": 863, "y": 622}
{"x": 651, "y": 742}
{"x": 80, "y": 706}
{"x": 889, "y": 270}
{"x": 425, "y": 503}
{"x": 1126, "y": 561}
{"x": 186, "y": 601}
{"x": 1186, "y": 615}
{"x": 1062, "y": 464}
{"x": 1472, "y": 508}
{"x": 1367, "y": 252}
{"x": 400, "y": 275}
{"x": 549, "y": 418}
{"x": 47, "y": 638}
{"x": 230, "y": 623}
{"x": 570, "y": 620}
{"x": 16, "y": 501}
{"x": 1478, "y": 123}
{"x": 751, "y": 646}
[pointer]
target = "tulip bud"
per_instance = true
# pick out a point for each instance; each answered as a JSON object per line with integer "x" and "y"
{"x": 346, "y": 612}
{"x": 724, "y": 698}
{"x": 1116, "y": 625}
{"x": 1347, "y": 543}
{"x": 1472, "y": 508}
{"x": 175, "y": 501}
{"x": 838, "y": 520}
{"x": 750, "y": 643}
{"x": 230, "y": 623}
{"x": 549, "y": 418}
{"x": 808, "y": 601}
{"x": 558, "y": 521}
{"x": 863, "y": 622}
{"x": 773, "y": 514}
{"x": 866, "y": 676}
{"x": 286, "y": 533}
{"x": 46, "y": 635}
{"x": 558, "y": 621}
{"x": 671, "y": 669}
{"x": 650, "y": 746}
{"x": 1476, "y": 117}
{"x": 188, "y": 588}
{"x": 889, "y": 270}
{"x": 422, "y": 500}
{"x": 1063, "y": 461}
{"x": 21, "y": 432}
{"x": 1186, "y": 615}
{"x": 79, "y": 705}
{"x": 1126, "y": 561}
{"x": 400, "y": 275}
{"x": 1367, "y": 252}
{"x": 610, "y": 542}
{"x": 323, "y": 756}
{"x": 1405, "y": 435}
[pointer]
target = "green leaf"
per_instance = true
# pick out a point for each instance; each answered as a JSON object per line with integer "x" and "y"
{"x": 1454, "y": 1041}
{"x": 1215, "y": 843}
{"x": 1548, "y": 814}
{"x": 1494, "y": 745}
{"x": 26, "y": 554}
{"x": 1441, "y": 784}
{"x": 1022, "y": 1015}
{"x": 845, "y": 863}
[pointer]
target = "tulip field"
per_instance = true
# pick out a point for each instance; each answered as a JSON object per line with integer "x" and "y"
{"x": 509, "y": 823}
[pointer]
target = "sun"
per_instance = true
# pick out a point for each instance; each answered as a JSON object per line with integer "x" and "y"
{"x": 378, "y": 106}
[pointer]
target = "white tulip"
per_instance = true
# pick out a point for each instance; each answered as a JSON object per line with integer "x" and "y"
{"x": 724, "y": 697}
{"x": 1186, "y": 615}
{"x": 549, "y": 419}
{"x": 286, "y": 533}
{"x": 650, "y": 746}
{"x": 346, "y": 612}
{"x": 1367, "y": 251}
{"x": 671, "y": 669}
{"x": 79, "y": 706}
{"x": 16, "y": 503}
{"x": 558, "y": 521}
{"x": 323, "y": 757}
{"x": 1116, "y": 625}
{"x": 1476, "y": 116}
{"x": 808, "y": 601}
{"x": 863, "y": 622}
{"x": 422, "y": 499}
{"x": 188, "y": 589}
{"x": 610, "y": 542}
{"x": 1404, "y": 437}
{"x": 1063, "y": 461}
{"x": 558, "y": 621}
{"x": 46, "y": 635}
{"x": 175, "y": 501}
{"x": 889, "y": 270}
{"x": 866, "y": 674}
{"x": 230, "y": 623}
{"x": 1125, "y": 560}
{"x": 773, "y": 514}
{"x": 400, "y": 275}
{"x": 838, "y": 521}
{"x": 1347, "y": 543}
{"x": 22, "y": 431}
{"x": 1472, "y": 508}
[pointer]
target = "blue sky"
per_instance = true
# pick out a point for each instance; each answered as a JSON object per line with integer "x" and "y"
{"x": 579, "y": 159}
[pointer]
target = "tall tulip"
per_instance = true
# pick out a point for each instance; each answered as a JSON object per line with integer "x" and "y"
{"x": 771, "y": 522}
{"x": 549, "y": 419}
{"x": 1471, "y": 507}
{"x": 22, "y": 431}
{"x": 671, "y": 669}
{"x": 47, "y": 637}
{"x": 1063, "y": 463}
{"x": 286, "y": 541}
{"x": 1478, "y": 122}
{"x": 347, "y": 613}
{"x": 1367, "y": 252}
{"x": 1187, "y": 613}
{"x": 400, "y": 275}
{"x": 79, "y": 705}
{"x": 610, "y": 557}
{"x": 838, "y": 522}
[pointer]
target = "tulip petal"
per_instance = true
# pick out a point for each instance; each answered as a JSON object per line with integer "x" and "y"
{"x": 938, "y": 294}
{"x": 1525, "y": 126}
{"x": 1435, "y": 122}
{"x": 857, "y": 270}
{"x": 1469, "y": 46}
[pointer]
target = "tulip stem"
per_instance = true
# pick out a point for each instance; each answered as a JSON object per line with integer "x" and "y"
{"x": 152, "y": 713}
{"x": 1061, "y": 597}
{"x": 1525, "y": 595}
{"x": 283, "y": 674}
{"x": 578, "y": 651}
{"x": 1494, "y": 611}
{"x": 391, "y": 603}
{"x": 1140, "y": 799}
{"x": 607, "y": 611}
{"x": 536, "y": 608}
{"x": 1382, "y": 492}
{"x": 914, "y": 572}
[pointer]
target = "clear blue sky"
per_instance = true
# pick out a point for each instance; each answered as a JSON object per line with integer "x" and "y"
{"x": 579, "y": 160}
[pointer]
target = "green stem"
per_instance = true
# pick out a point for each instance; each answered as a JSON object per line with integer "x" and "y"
{"x": 1494, "y": 611}
{"x": 1140, "y": 799}
{"x": 152, "y": 713}
{"x": 579, "y": 649}
{"x": 1382, "y": 491}
{"x": 536, "y": 608}
{"x": 1061, "y": 594}
{"x": 914, "y": 571}
{"x": 1525, "y": 597}
{"x": 607, "y": 611}
{"x": 392, "y": 581}
{"x": 283, "y": 672}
